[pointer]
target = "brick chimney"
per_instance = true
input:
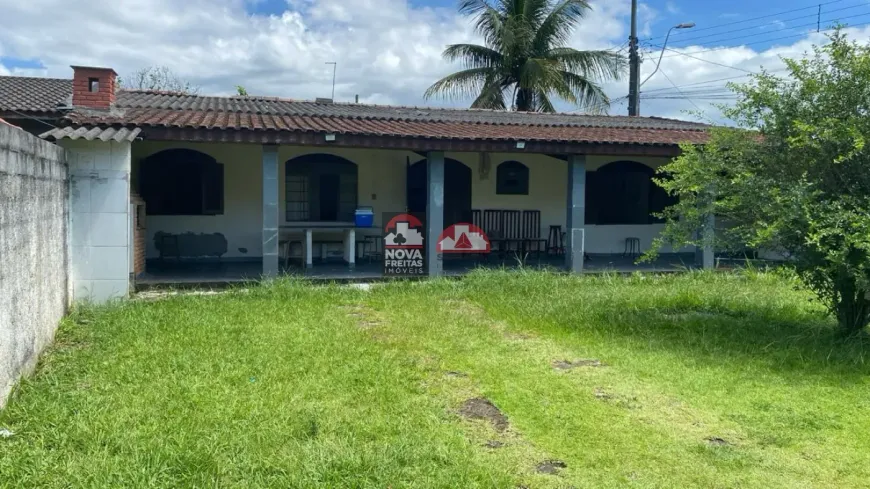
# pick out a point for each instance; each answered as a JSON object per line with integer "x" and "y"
{"x": 93, "y": 88}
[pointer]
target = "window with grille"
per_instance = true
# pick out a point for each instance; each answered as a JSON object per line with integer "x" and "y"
{"x": 320, "y": 188}
{"x": 512, "y": 178}
{"x": 297, "y": 198}
{"x": 623, "y": 192}
{"x": 181, "y": 182}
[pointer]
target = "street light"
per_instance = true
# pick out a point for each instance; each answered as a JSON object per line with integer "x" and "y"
{"x": 335, "y": 67}
{"x": 684, "y": 25}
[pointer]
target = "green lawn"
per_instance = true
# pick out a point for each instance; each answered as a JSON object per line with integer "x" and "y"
{"x": 707, "y": 381}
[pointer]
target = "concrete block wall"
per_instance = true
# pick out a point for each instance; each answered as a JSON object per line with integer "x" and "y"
{"x": 100, "y": 219}
{"x": 34, "y": 291}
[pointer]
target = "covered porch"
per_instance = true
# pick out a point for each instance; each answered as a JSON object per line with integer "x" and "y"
{"x": 232, "y": 212}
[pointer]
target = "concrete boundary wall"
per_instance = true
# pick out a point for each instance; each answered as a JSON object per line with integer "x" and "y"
{"x": 34, "y": 212}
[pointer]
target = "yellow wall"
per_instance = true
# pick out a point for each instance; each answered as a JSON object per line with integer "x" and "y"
{"x": 381, "y": 177}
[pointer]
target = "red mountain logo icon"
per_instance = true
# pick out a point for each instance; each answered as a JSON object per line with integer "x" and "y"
{"x": 464, "y": 243}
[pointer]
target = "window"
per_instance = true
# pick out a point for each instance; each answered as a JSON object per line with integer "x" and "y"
{"x": 320, "y": 187}
{"x": 181, "y": 182}
{"x": 512, "y": 178}
{"x": 623, "y": 192}
{"x": 93, "y": 84}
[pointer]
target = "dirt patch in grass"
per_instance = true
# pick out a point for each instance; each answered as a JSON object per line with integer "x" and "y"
{"x": 364, "y": 316}
{"x": 455, "y": 374}
{"x": 627, "y": 402}
{"x": 551, "y": 467}
{"x": 569, "y": 364}
{"x": 602, "y": 394}
{"x": 518, "y": 336}
{"x": 493, "y": 444}
{"x": 715, "y": 441}
{"x": 480, "y": 408}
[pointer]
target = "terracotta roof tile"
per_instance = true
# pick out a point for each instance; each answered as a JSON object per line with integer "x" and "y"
{"x": 34, "y": 95}
{"x": 144, "y": 109}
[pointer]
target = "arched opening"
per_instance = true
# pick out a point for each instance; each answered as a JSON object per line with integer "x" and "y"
{"x": 457, "y": 190}
{"x": 623, "y": 192}
{"x": 181, "y": 182}
{"x": 512, "y": 178}
{"x": 320, "y": 188}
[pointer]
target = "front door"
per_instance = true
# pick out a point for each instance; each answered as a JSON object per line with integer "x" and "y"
{"x": 457, "y": 190}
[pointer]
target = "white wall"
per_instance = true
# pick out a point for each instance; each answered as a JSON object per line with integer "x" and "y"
{"x": 99, "y": 219}
{"x": 381, "y": 176}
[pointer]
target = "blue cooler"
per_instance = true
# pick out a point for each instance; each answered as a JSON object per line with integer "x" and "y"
{"x": 364, "y": 217}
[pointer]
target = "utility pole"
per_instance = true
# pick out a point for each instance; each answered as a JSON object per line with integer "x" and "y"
{"x": 633, "y": 65}
{"x": 334, "y": 68}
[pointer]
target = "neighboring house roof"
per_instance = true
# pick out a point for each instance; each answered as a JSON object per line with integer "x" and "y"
{"x": 34, "y": 96}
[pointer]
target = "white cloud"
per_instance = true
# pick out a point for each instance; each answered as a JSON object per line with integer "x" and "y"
{"x": 683, "y": 70}
{"x": 387, "y": 51}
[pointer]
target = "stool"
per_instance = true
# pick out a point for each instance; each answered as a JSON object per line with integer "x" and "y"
{"x": 372, "y": 247}
{"x": 632, "y": 247}
{"x": 169, "y": 247}
{"x": 555, "y": 241}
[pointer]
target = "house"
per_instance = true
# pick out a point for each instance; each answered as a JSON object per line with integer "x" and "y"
{"x": 271, "y": 182}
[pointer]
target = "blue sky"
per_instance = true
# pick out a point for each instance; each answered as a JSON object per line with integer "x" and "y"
{"x": 389, "y": 51}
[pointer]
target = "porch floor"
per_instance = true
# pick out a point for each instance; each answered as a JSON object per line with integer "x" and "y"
{"x": 216, "y": 273}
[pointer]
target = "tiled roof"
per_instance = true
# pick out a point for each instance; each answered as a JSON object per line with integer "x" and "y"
{"x": 149, "y": 109}
{"x": 166, "y": 110}
{"x": 284, "y": 107}
{"x": 33, "y": 95}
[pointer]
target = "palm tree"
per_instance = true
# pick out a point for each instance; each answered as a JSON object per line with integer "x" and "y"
{"x": 525, "y": 56}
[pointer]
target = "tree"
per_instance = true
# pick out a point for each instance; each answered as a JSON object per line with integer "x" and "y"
{"x": 158, "y": 78}
{"x": 792, "y": 177}
{"x": 526, "y": 58}
{"x": 241, "y": 91}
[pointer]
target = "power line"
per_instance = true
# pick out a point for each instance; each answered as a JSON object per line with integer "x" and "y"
{"x": 700, "y": 91}
{"x": 699, "y": 83}
{"x": 679, "y": 53}
{"x": 702, "y": 113}
{"x": 810, "y": 24}
{"x": 707, "y": 61}
{"x": 756, "y": 18}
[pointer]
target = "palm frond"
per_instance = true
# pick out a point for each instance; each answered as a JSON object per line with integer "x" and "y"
{"x": 535, "y": 11}
{"x": 473, "y": 55}
{"x": 602, "y": 65}
{"x": 556, "y": 29}
{"x": 491, "y": 97}
{"x": 462, "y": 84}
{"x": 543, "y": 103}
{"x": 587, "y": 93}
{"x": 489, "y": 21}
{"x": 537, "y": 72}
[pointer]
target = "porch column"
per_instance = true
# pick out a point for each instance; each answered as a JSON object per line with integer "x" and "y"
{"x": 270, "y": 210}
{"x": 350, "y": 248}
{"x": 704, "y": 256}
{"x": 576, "y": 223}
{"x": 434, "y": 209}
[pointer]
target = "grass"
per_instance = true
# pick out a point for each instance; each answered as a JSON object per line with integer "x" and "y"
{"x": 289, "y": 385}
